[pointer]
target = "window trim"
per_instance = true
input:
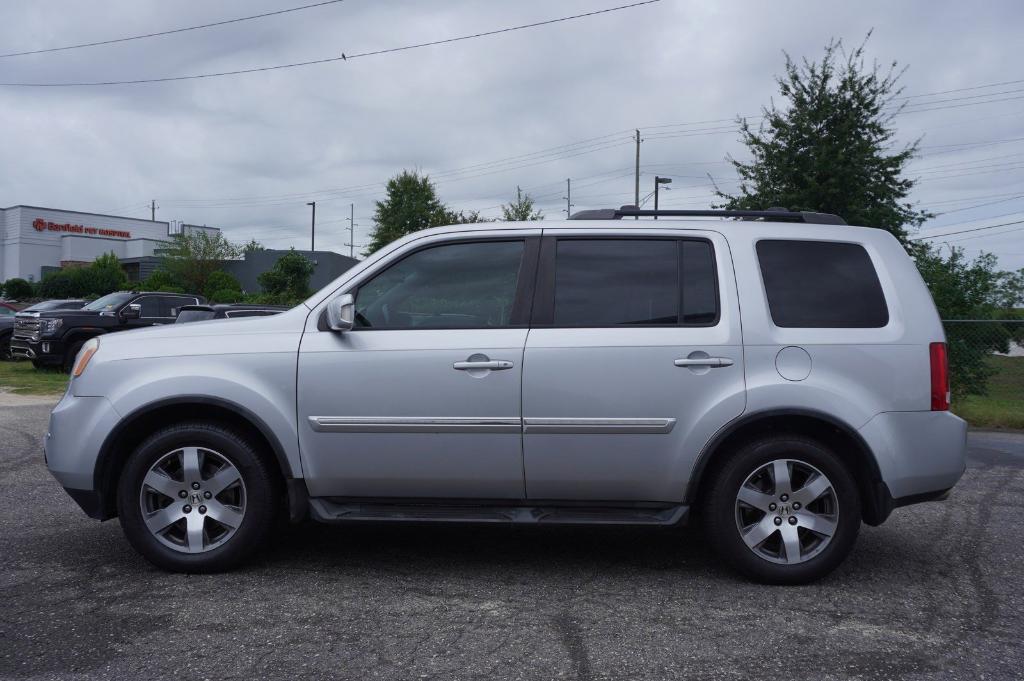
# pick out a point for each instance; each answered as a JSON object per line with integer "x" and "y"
{"x": 544, "y": 296}
{"x": 522, "y": 302}
{"x": 871, "y": 261}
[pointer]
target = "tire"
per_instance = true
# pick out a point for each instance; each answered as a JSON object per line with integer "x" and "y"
{"x": 5, "y": 347}
{"x": 188, "y": 534}
{"x": 69, "y": 357}
{"x": 36, "y": 364}
{"x": 792, "y": 550}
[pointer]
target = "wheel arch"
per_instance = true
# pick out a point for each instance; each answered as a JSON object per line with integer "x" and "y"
{"x": 134, "y": 428}
{"x": 876, "y": 501}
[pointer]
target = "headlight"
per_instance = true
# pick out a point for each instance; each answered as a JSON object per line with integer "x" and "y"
{"x": 48, "y": 327}
{"x": 84, "y": 355}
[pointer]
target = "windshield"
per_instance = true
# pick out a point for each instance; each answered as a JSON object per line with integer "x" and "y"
{"x": 108, "y": 302}
{"x": 186, "y": 316}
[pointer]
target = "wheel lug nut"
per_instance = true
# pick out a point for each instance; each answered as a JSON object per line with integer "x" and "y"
{"x": 771, "y": 507}
{"x": 186, "y": 509}
{"x": 792, "y": 520}
{"x": 207, "y": 495}
{"x": 796, "y": 505}
{"x": 778, "y": 520}
{"x": 202, "y": 509}
{"x": 182, "y": 494}
{"x": 784, "y": 497}
{"x": 195, "y": 485}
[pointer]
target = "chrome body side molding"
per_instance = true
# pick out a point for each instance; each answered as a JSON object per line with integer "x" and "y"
{"x": 414, "y": 424}
{"x": 631, "y": 426}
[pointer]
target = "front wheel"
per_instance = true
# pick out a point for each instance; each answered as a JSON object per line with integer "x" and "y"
{"x": 196, "y": 497}
{"x": 783, "y": 510}
{"x": 69, "y": 357}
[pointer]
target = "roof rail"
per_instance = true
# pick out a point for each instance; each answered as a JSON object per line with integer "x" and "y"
{"x": 773, "y": 214}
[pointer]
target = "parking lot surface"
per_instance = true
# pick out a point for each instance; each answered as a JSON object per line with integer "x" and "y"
{"x": 934, "y": 593}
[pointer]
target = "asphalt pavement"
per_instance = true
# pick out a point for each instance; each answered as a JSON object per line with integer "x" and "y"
{"x": 936, "y": 592}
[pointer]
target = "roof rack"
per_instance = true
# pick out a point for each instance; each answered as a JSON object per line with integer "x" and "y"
{"x": 772, "y": 214}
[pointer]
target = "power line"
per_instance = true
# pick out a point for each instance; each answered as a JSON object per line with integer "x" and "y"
{"x": 172, "y": 31}
{"x": 343, "y": 56}
{"x": 965, "y": 231}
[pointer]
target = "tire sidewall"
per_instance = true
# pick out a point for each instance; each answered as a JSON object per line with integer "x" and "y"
{"x": 721, "y": 510}
{"x": 259, "y": 493}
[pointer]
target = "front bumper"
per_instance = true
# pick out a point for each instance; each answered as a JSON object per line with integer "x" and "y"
{"x": 78, "y": 427}
{"x": 43, "y": 351}
{"x": 920, "y": 454}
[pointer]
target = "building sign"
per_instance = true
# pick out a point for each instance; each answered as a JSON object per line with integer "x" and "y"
{"x": 42, "y": 225}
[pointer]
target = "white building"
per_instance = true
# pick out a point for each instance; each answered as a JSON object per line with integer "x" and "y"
{"x": 36, "y": 240}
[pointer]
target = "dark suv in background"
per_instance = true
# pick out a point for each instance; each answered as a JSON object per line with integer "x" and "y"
{"x": 53, "y": 337}
{"x": 205, "y": 312}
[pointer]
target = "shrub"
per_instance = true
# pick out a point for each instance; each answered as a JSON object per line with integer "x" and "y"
{"x": 160, "y": 280}
{"x": 220, "y": 282}
{"x": 225, "y": 295}
{"x": 289, "y": 277}
{"x": 17, "y": 289}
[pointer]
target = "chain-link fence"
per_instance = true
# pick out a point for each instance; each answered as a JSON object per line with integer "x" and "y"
{"x": 986, "y": 364}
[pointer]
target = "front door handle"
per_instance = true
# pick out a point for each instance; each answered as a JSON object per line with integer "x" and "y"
{"x": 492, "y": 364}
{"x": 713, "y": 362}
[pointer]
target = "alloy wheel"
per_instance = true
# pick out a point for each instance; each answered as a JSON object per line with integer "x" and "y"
{"x": 787, "y": 511}
{"x": 192, "y": 499}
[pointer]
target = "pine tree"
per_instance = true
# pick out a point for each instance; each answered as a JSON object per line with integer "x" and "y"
{"x": 830, "y": 149}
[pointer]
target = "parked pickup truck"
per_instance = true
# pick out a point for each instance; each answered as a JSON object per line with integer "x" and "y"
{"x": 54, "y": 337}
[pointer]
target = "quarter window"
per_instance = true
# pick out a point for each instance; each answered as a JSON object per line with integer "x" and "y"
{"x": 634, "y": 282}
{"x": 455, "y": 286}
{"x": 821, "y": 284}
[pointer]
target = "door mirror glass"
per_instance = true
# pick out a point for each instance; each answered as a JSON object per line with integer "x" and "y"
{"x": 341, "y": 312}
{"x": 131, "y": 311}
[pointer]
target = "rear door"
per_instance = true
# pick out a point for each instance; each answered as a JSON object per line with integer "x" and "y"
{"x": 633, "y": 361}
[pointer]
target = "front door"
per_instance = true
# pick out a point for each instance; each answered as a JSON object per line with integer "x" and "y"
{"x": 634, "y": 360}
{"x": 422, "y": 398}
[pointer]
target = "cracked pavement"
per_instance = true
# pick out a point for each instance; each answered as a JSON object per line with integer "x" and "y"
{"x": 933, "y": 593}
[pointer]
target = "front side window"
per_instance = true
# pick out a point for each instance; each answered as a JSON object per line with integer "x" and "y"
{"x": 821, "y": 284}
{"x": 634, "y": 282}
{"x": 455, "y": 286}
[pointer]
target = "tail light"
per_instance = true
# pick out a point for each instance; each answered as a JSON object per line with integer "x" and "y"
{"x": 940, "y": 376}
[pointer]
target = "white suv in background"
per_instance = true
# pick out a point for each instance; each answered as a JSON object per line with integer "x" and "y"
{"x": 778, "y": 378}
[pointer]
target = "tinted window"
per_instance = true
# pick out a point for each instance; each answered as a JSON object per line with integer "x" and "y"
{"x": 456, "y": 286}
{"x": 150, "y": 306}
{"x": 700, "y": 290}
{"x": 5, "y": 311}
{"x": 821, "y": 284}
{"x": 169, "y": 305}
{"x": 186, "y": 316}
{"x": 108, "y": 302}
{"x": 621, "y": 282}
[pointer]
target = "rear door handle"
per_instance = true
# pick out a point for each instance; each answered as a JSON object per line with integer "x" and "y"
{"x": 713, "y": 362}
{"x": 492, "y": 364}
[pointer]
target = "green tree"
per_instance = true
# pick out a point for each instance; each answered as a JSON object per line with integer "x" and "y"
{"x": 829, "y": 148}
{"x": 104, "y": 275}
{"x": 288, "y": 280}
{"x": 411, "y": 205}
{"x": 17, "y": 289}
{"x": 220, "y": 282}
{"x": 253, "y": 246}
{"x": 521, "y": 210}
{"x": 161, "y": 280}
{"x": 194, "y": 255}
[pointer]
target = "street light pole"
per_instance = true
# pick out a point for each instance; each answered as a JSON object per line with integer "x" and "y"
{"x": 312, "y": 228}
{"x": 658, "y": 181}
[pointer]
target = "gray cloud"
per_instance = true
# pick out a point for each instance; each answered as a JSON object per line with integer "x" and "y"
{"x": 246, "y": 153}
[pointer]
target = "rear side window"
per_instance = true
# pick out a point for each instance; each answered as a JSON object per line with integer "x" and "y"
{"x": 821, "y": 284}
{"x": 634, "y": 282}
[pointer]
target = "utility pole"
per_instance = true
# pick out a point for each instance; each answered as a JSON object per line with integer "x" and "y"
{"x": 636, "y": 191}
{"x": 152, "y": 210}
{"x": 351, "y": 230}
{"x": 658, "y": 181}
{"x": 312, "y": 227}
{"x": 568, "y": 197}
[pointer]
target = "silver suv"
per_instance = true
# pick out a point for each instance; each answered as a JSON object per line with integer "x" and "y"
{"x": 777, "y": 378}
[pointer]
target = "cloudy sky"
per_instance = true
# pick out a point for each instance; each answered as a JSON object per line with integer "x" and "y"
{"x": 528, "y": 108}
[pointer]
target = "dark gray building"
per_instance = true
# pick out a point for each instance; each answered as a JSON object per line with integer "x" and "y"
{"x": 327, "y": 266}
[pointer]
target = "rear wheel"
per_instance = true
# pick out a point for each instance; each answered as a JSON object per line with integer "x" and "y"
{"x": 783, "y": 510}
{"x": 196, "y": 497}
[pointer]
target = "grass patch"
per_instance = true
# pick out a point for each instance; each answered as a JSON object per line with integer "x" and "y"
{"x": 1003, "y": 407}
{"x": 22, "y": 378}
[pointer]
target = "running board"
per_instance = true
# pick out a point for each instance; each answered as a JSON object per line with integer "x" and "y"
{"x": 327, "y": 510}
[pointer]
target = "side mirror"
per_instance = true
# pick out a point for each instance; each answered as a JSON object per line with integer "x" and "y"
{"x": 341, "y": 313}
{"x": 131, "y": 311}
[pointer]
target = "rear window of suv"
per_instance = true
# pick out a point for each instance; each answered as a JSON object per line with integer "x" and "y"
{"x": 821, "y": 284}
